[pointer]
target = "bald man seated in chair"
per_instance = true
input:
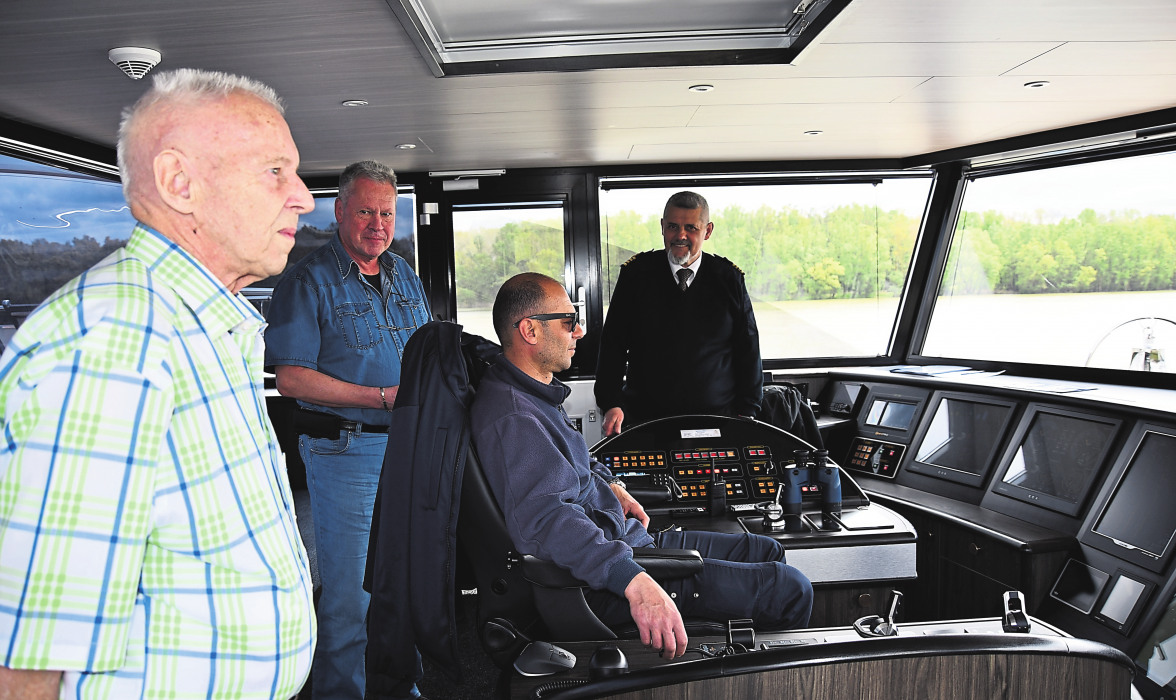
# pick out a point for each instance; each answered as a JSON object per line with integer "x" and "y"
{"x": 563, "y": 506}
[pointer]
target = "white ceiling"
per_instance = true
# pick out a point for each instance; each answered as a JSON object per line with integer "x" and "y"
{"x": 890, "y": 78}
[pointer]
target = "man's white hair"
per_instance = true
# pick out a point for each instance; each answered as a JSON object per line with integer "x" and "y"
{"x": 185, "y": 84}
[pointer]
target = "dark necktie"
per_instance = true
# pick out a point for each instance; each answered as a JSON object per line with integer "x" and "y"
{"x": 684, "y": 276}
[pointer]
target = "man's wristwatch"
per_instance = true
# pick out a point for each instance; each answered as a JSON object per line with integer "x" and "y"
{"x": 617, "y": 480}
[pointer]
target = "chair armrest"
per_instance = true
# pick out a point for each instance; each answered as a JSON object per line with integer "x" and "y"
{"x": 661, "y": 564}
{"x": 668, "y": 564}
{"x": 651, "y": 495}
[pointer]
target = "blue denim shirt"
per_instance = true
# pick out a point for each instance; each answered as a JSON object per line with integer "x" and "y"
{"x": 326, "y": 316}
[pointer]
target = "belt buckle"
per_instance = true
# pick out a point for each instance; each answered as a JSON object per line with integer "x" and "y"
{"x": 350, "y": 426}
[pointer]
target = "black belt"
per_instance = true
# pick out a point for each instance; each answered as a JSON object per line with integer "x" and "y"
{"x": 317, "y": 424}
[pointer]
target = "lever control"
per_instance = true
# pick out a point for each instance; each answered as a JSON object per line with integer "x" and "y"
{"x": 875, "y": 626}
{"x": 1015, "y": 621}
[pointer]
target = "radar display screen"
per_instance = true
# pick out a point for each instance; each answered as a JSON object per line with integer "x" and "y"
{"x": 1140, "y": 513}
{"x": 962, "y": 437}
{"x": 1056, "y": 460}
{"x": 891, "y": 414}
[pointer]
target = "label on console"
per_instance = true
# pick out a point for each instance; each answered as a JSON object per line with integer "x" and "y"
{"x": 705, "y": 433}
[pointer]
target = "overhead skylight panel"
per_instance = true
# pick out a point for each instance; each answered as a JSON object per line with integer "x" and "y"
{"x": 463, "y": 37}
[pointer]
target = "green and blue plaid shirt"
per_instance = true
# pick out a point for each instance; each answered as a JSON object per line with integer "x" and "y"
{"x": 148, "y": 546}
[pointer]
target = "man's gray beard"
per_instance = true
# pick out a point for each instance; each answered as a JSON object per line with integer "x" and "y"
{"x": 680, "y": 261}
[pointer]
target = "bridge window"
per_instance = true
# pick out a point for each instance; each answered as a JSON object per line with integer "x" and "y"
{"x": 825, "y": 257}
{"x": 54, "y": 224}
{"x": 1072, "y": 265}
{"x": 494, "y": 242}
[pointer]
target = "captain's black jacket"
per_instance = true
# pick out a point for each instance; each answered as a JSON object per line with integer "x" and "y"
{"x": 693, "y": 351}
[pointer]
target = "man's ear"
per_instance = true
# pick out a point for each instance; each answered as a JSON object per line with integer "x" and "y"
{"x": 338, "y": 209}
{"x": 528, "y": 333}
{"x": 173, "y": 181}
{"x": 710, "y": 227}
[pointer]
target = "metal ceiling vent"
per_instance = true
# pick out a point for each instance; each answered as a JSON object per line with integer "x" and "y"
{"x": 135, "y": 62}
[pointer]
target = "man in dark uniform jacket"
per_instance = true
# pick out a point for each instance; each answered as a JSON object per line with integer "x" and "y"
{"x": 680, "y": 336}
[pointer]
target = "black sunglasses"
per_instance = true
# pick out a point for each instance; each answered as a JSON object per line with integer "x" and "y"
{"x": 573, "y": 316}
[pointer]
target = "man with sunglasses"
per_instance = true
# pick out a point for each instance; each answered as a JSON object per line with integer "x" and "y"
{"x": 563, "y": 506}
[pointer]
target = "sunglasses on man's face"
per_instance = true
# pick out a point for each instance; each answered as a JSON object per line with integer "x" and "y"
{"x": 573, "y": 316}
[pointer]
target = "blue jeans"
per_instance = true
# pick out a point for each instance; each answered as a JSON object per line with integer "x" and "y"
{"x": 342, "y": 477}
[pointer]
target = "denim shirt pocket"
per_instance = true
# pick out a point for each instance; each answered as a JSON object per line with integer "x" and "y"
{"x": 357, "y": 321}
{"x": 411, "y": 310}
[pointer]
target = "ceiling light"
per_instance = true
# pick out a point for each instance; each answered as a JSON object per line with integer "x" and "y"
{"x": 1036, "y": 84}
{"x": 406, "y": 146}
{"x": 135, "y": 62}
{"x": 701, "y": 88}
{"x": 355, "y": 103}
{"x": 813, "y": 132}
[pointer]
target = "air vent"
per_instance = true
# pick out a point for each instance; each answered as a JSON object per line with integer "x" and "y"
{"x": 135, "y": 62}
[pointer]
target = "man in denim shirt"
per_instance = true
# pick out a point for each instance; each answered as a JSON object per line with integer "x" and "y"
{"x": 338, "y": 324}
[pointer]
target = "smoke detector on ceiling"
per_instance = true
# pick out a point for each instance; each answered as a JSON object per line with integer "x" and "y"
{"x": 135, "y": 62}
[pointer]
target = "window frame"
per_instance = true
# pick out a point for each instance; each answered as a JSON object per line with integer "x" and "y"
{"x": 912, "y": 286}
{"x": 933, "y": 279}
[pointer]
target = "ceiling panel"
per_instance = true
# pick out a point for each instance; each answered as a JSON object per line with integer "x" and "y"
{"x": 1061, "y": 89}
{"x": 920, "y": 58}
{"x": 893, "y": 77}
{"x": 1105, "y": 58}
{"x": 1005, "y": 20}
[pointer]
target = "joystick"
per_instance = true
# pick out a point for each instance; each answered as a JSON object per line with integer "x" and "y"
{"x": 875, "y": 626}
{"x": 1015, "y": 621}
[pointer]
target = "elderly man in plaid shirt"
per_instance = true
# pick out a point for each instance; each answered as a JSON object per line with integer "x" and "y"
{"x": 148, "y": 547}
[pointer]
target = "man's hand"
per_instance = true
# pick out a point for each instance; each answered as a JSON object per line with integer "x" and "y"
{"x": 313, "y": 386}
{"x": 613, "y": 418}
{"x": 29, "y": 685}
{"x": 629, "y": 504}
{"x": 657, "y": 618}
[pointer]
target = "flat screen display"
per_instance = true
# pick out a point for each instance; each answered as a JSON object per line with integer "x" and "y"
{"x": 1140, "y": 513}
{"x": 1079, "y": 585}
{"x": 1122, "y": 599}
{"x": 963, "y": 435}
{"x": 1059, "y": 456}
{"x": 1158, "y": 655}
{"x": 891, "y": 414}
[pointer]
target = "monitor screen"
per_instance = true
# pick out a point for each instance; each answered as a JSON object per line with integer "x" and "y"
{"x": 1059, "y": 455}
{"x": 1079, "y": 585}
{"x": 1158, "y": 654}
{"x": 1124, "y": 595}
{"x": 1140, "y": 513}
{"x": 891, "y": 414}
{"x": 963, "y": 435}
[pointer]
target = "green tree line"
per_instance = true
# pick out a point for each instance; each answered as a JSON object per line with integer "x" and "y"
{"x": 852, "y": 252}
{"x": 30, "y": 272}
{"x": 485, "y": 258}
{"x": 1092, "y": 252}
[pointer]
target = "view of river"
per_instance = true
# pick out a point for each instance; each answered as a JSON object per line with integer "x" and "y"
{"x": 1059, "y": 329}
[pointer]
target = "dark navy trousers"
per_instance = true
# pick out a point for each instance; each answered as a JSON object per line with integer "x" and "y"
{"x": 743, "y": 577}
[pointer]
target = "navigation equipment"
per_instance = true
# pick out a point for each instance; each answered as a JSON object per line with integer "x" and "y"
{"x": 1137, "y": 522}
{"x": 1079, "y": 586}
{"x": 961, "y": 440}
{"x": 1054, "y": 457}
